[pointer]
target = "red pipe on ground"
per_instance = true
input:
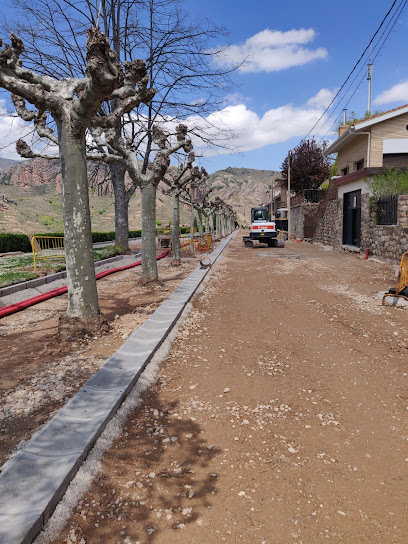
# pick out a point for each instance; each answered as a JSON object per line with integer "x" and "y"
{"x": 13, "y": 308}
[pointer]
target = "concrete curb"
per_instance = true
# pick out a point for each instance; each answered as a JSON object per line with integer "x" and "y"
{"x": 34, "y": 481}
{"x": 32, "y": 284}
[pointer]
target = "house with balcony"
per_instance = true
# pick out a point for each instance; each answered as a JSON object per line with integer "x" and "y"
{"x": 364, "y": 149}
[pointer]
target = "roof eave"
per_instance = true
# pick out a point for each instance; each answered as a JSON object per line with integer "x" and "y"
{"x": 340, "y": 142}
{"x": 381, "y": 117}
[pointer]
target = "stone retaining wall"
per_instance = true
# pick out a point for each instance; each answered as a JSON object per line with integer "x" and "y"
{"x": 385, "y": 241}
{"x": 304, "y": 217}
{"x": 329, "y": 229}
{"x": 297, "y": 220}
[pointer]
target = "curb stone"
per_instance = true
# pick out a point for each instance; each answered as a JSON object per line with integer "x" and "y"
{"x": 34, "y": 481}
{"x": 30, "y": 284}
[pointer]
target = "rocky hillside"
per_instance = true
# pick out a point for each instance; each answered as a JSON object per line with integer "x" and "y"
{"x": 243, "y": 188}
{"x": 6, "y": 163}
{"x": 30, "y": 196}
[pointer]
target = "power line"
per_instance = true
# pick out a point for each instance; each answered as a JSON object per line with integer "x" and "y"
{"x": 350, "y": 74}
{"x": 391, "y": 22}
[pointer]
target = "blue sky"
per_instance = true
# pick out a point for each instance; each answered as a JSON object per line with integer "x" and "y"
{"x": 286, "y": 88}
{"x": 298, "y": 55}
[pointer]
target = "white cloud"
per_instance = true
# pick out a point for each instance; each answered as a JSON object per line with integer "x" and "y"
{"x": 322, "y": 99}
{"x": 251, "y": 131}
{"x": 271, "y": 51}
{"x": 11, "y": 129}
{"x": 398, "y": 93}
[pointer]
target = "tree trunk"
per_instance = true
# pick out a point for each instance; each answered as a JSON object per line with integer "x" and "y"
{"x": 192, "y": 222}
{"x": 175, "y": 231}
{"x": 149, "y": 263}
{"x": 121, "y": 205}
{"x": 82, "y": 293}
{"x": 200, "y": 224}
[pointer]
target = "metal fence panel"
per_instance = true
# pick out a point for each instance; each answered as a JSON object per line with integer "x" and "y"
{"x": 387, "y": 209}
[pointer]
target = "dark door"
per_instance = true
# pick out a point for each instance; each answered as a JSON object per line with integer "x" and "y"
{"x": 352, "y": 218}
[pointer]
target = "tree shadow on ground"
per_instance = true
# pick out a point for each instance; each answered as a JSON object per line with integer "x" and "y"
{"x": 156, "y": 477}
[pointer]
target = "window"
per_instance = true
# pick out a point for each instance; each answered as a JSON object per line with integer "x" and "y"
{"x": 260, "y": 215}
{"x": 387, "y": 210}
{"x": 359, "y": 165}
{"x": 344, "y": 171}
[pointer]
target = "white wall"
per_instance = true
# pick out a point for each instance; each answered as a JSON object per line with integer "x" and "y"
{"x": 354, "y": 186}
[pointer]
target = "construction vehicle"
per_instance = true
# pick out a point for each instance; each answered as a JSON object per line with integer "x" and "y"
{"x": 263, "y": 229}
{"x": 401, "y": 291}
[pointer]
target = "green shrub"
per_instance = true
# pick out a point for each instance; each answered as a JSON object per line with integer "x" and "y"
{"x": 21, "y": 242}
{"x": 393, "y": 182}
{"x": 14, "y": 242}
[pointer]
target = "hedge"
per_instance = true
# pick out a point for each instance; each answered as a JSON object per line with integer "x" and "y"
{"x": 21, "y": 242}
{"x": 14, "y": 242}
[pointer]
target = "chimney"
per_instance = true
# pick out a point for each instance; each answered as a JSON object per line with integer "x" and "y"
{"x": 342, "y": 129}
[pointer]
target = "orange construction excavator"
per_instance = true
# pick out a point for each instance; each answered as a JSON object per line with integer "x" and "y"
{"x": 401, "y": 291}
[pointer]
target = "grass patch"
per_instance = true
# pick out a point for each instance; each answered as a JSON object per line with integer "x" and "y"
{"x": 13, "y": 277}
{"x": 21, "y": 268}
{"x": 102, "y": 253}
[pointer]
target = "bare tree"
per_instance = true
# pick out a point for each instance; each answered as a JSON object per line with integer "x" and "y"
{"x": 178, "y": 60}
{"x": 176, "y": 181}
{"x": 195, "y": 196}
{"x": 73, "y": 102}
{"x": 110, "y": 149}
{"x": 225, "y": 217}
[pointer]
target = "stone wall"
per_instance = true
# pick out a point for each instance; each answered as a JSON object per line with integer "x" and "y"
{"x": 385, "y": 241}
{"x": 303, "y": 217}
{"x": 329, "y": 229}
{"x": 297, "y": 220}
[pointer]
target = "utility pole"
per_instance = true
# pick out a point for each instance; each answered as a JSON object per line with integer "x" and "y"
{"x": 369, "y": 78}
{"x": 288, "y": 196}
{"x": 271, "y": 189}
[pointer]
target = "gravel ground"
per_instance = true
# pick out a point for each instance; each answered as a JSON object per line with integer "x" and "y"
{"x": 40, "y": 372}
{"x": 279, "y": 415}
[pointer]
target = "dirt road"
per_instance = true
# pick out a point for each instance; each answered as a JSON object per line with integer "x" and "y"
{"x": 279, "y": 416}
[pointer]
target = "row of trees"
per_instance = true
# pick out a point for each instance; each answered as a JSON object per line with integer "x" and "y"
{"x": 108, "y": 105}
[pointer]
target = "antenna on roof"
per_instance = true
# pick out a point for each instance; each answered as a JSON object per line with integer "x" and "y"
{"x": 369, "y": 78}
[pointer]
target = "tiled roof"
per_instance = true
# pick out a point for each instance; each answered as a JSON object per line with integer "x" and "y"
{"x": 380, "y": 114}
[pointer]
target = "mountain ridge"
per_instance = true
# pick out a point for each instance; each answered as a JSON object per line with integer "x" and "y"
{"x": 35, "y": 186}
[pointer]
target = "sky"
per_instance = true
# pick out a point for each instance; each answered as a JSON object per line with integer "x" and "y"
{"x": 298, "y": 55}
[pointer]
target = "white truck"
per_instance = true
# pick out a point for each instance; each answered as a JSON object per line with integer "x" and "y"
{"x": 263, "y": 229}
